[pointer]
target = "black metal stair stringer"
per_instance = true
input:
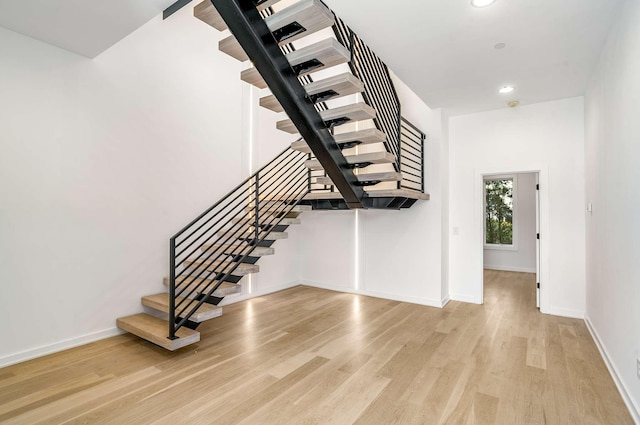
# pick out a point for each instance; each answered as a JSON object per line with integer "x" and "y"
{"x": 246, "y": 24}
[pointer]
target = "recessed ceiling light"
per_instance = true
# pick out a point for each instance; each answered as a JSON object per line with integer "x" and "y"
{"x": 481, "y": 3}
{"x": 506, "y": 89}
{"x": 500, "y": 46}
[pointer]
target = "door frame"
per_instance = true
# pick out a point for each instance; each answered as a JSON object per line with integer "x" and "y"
{"x": 543, "y": 220}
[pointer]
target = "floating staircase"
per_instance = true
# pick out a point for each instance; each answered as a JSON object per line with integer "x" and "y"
{"x": 356, "y": 150}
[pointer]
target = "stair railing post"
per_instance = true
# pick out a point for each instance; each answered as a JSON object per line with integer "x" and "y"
{"x": 423, "y": 138}
{"x": 172, "y": 289}
{"x": 399, "y": 158}
{"x": 257, "y": 209}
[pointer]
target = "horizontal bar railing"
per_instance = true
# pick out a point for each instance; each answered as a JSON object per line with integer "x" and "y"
{"x": 207, "y": 252}
{"x": 411, "y": 156}
{"x": 379, "y": 90}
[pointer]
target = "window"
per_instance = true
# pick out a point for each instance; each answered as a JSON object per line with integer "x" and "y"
{"x": 499, "y": 222}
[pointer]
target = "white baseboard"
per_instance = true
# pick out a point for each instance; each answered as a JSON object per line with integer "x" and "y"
{"x": 511, "y": 269}
{"x": 563, "y": 312}
{"x": 44, "y": 350}
{"x": 445, "y": 301}
{"x": 465, "y": 298}
{"x": 634, "y": 409}
{"x": 376, "y": 294}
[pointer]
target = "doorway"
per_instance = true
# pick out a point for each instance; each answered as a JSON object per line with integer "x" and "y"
{"x": 511, "y": 233}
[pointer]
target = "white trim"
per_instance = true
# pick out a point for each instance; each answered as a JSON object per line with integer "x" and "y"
{"x": 430, "y": 302}
{"x": 634, "y": 409}
{"x": 563, "y": 312}
{"x": 445, "y": 301}
{"x": 501, "y": 247}
{"x": 478, "y": 225}
{"x": 66, "y": 344}
{"x": 465, "y": 298}
{"x": 511, "y": 269}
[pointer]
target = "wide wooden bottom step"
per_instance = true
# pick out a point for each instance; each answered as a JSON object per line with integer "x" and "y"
{"x": 160, "y": 302}
{"x": 156, "y": 331}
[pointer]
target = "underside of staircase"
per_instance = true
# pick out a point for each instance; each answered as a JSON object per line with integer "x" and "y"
{"x": 352, "y": 149}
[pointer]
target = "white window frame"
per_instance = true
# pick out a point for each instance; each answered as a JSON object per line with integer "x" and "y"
{"x": 514, "y": 240}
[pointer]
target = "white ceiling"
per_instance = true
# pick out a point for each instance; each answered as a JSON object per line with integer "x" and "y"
{"x": 86, "y": 27}
{"x": 443, "y": 49}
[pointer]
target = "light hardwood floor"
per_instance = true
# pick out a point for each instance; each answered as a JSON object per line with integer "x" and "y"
{"x": 310, "y": 356}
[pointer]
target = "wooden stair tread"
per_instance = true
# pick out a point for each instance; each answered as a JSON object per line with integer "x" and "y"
{"x": 274, "y": 222}
{"x": 328, "y": 51}
{"x": 272, "y": 236}
{"x": 355, "y": 112}
{"x": 311, "y": 14}
{"x": 372, "y": 157}
{"x": 239, "y": 269}
{"x": 323, "y": 195}
{"x": 232, "y": 47}
{"x": 342, "y": 84}
{"x": 156, "y": 331}
{"x": 270, "y": 102}
{"x": 388, "y": 176}
{"x": 160, "y": 302}
{"x": 274, "y": 209}
{"x": 366, "y": 136}
{"x": 400, "y": 193}
{"x": 237, "y": 249}
{"x": 253, "y": 77}
{"x": 187, "y": 284}
{"x": 373, "y": 193}
{"x": 208, "y": 14}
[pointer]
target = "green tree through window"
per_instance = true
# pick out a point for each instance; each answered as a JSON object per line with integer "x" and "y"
{"x": 498, "y": 211}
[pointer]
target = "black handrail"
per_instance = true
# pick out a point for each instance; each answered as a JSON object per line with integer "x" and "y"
{"x": 205, "y": 253}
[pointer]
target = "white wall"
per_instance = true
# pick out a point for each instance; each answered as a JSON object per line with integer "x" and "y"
{"x": 546, "y": 137}
{"x": 102, "y": 161}
{"x": 522, "y": 257}
{"x": 613, "y": 229}
{"x": 399, "y": 254}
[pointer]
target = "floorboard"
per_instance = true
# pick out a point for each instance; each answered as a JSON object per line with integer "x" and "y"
{"x": 311, "y": 356}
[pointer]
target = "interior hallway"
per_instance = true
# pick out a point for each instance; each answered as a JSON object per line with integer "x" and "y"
{"x": 311, "y": 356}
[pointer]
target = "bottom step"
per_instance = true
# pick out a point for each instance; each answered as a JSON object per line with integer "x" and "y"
{"x": 156, "y": 330}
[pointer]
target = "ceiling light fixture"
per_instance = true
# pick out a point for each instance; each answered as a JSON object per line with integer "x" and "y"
{"x": 506, "y": 89}
{"x": 481, "y": 3}
{"x": 500, "y": 46}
